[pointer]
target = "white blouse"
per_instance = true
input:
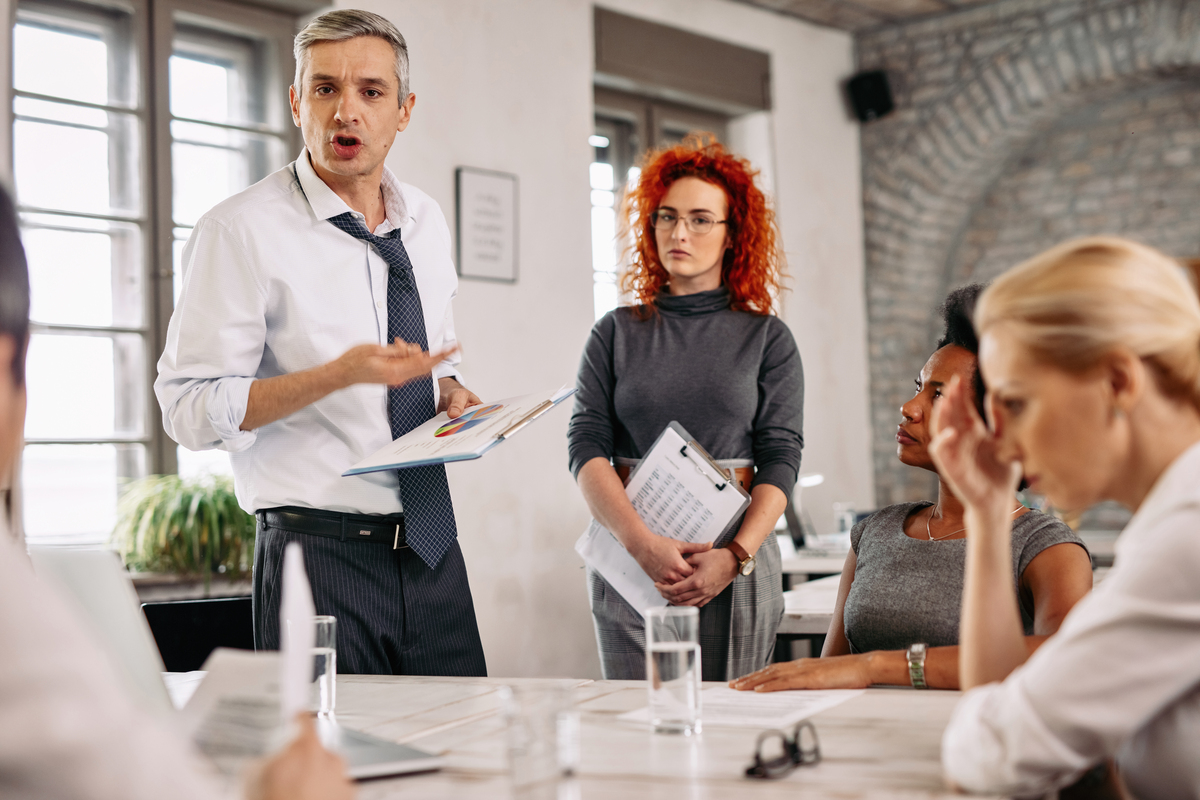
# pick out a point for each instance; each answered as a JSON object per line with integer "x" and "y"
{"x": 1120, "y": 678}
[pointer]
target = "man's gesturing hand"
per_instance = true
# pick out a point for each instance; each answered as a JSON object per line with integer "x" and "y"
{"x": 393, "y": 364}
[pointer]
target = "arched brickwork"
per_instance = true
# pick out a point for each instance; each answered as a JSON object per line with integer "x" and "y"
{"x": 973, "y": 90}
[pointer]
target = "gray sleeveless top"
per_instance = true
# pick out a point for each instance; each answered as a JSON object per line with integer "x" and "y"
{"x": 909, "y": 590}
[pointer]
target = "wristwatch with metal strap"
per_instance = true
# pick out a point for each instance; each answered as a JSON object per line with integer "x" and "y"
{"x": 916, "y": 664}
{"x": 746, "y": 562}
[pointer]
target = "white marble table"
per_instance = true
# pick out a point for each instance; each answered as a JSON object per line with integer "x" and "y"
{"x": 883, "y": 744}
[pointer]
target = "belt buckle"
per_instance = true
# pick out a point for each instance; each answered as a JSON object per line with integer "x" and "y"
{"x": 396, "y": 541}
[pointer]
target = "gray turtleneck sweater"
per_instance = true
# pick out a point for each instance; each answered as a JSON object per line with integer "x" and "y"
{"x": 731, "y": 378}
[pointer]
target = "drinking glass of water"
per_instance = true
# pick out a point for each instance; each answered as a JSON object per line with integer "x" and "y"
{"x": 325, "y": 665}
{"x": 673, "y": 668}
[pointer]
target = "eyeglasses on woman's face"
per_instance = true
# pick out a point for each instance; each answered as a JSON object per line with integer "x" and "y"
{"x": 793, "y": 751}
{"x": 696, "y": 223}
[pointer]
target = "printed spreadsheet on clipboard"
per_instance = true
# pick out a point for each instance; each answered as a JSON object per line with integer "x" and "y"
{"x": 679, "y": 492}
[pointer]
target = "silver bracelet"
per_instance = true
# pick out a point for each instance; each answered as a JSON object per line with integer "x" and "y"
{"x": 916, "y": 664}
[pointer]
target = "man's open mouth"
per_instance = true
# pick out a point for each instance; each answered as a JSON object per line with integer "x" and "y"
{"x": 346, "y": 141}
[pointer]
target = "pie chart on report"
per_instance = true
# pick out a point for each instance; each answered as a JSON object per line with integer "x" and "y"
{"x": 467, "y": 421}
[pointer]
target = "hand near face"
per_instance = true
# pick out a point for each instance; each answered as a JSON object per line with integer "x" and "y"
{"x": 715, "y": 569}
{"x": 967, "y": 455}
{"x": 833, "y": 672}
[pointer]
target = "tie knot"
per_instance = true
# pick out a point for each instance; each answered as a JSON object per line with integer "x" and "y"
{"x": 389, "y": 247}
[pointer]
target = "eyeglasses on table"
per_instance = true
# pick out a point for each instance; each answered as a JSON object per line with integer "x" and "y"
{"x": 794, "y": 752}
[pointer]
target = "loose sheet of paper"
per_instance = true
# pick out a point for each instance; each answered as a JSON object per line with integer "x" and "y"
{"x": 674, "y": 491}
{"x": 233, "y": 716}
{"x": 722, "y": 707}
{"x": 297, "y": 628}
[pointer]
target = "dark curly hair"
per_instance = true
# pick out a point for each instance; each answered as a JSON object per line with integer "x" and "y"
{"x": 958, "y": 311}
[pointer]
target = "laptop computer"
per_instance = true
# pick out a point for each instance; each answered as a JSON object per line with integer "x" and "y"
{"x": 234, "y": 714}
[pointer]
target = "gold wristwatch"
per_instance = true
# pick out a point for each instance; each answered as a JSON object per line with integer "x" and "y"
{"x": 746, "y": 562}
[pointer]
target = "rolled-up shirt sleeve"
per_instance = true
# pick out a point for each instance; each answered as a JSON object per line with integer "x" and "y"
{"x": 215, "y": 343}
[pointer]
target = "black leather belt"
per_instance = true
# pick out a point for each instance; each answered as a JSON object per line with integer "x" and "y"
{"x": 347, "y": 527}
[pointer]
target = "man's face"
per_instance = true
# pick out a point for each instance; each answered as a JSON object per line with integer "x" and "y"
{"x": 347, "y": 107}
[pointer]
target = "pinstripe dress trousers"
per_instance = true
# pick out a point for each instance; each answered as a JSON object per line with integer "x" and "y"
{"x": 396, "y": 616}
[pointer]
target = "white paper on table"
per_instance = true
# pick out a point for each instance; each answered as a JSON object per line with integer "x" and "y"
{"x": 297, "y": 630}
{"x": 722, "y": 707}
{"x": 674, "y": 491}
{"x": 233, "y": 716}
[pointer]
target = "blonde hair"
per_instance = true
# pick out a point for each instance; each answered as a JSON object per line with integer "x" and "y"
{"x": 1077, "y": 302}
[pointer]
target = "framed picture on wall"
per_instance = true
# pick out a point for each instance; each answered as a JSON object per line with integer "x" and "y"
{"x": 486, "y": 227}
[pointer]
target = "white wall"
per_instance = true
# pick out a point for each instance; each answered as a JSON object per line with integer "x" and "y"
{"x": 507, "y": 86}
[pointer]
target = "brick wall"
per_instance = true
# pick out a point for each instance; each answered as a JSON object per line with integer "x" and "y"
{"x": 1017, "y": 125}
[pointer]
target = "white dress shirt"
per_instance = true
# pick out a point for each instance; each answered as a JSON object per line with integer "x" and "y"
{"x": 270, "y": 287}
{"x": 1121, "y": 677}
{"x": 67, "y": 729}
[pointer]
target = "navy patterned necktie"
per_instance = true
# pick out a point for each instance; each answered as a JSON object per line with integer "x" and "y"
{"x": 428, "y": 513}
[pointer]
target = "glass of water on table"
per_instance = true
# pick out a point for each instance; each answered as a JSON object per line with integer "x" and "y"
{"x": 324, "y": 696}
{"x": 673, "y": 668}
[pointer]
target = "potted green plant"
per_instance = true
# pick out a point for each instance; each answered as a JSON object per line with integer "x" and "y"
{"x": 190, "y": 527}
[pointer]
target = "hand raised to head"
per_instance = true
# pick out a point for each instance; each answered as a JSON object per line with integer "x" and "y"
{"x": 966, "y": 452}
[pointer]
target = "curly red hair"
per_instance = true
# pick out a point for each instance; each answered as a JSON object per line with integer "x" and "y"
{"x": 752, "y": 269}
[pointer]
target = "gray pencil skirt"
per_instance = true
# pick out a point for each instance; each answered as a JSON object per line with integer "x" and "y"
{"x": 737, "y": 627}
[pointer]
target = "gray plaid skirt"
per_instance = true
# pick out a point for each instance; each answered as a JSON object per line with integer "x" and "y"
{"x": 737, "y": 627}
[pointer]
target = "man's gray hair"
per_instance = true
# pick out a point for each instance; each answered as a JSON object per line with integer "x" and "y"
{"x": 350, "y": 23}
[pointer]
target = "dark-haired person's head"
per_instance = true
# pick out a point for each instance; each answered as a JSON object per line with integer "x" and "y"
{"x": 957, "y": 353}
{"x": 14, "y": 335}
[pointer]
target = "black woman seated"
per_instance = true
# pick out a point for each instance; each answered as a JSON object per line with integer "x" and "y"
{"x": 897, "y": 615}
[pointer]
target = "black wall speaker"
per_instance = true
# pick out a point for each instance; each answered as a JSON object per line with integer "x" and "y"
{"x": 870, "y": 95}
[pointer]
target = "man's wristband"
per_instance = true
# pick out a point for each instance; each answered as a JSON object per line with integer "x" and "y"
{"x": 916, "y": 664}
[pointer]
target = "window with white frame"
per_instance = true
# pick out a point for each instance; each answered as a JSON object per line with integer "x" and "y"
{"x": 111, "y": 169}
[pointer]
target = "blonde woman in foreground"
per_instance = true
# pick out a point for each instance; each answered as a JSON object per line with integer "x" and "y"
{"x": 1091, "y": 355}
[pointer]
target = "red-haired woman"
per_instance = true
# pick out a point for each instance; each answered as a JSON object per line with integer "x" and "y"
{"x": 700, "y": 346}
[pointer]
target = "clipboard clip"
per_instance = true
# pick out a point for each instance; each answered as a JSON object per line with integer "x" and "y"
{"x": 525, "y": 420}
{"x": 683, "y": 451}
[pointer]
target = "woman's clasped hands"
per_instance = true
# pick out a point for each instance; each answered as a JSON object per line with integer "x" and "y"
{"x": 712, "y": 570}
{"x": 686, "y": 573}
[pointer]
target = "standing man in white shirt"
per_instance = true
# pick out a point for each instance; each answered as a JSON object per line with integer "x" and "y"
{"x": 314, "y": 326}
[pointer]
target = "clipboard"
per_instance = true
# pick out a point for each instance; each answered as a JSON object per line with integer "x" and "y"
{"x": 679, "y": 491}
{"x": 442, "y": 440}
